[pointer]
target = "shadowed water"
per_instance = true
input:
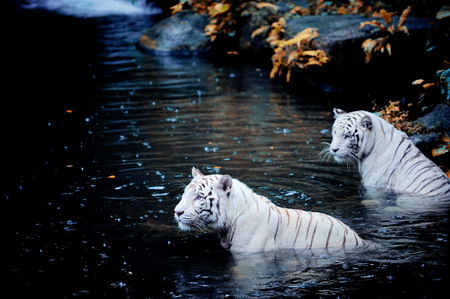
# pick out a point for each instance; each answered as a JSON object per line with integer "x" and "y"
{"x": 99, "y": 140}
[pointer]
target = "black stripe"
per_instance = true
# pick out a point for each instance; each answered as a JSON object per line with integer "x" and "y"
{"x": 329, "y": 233}
{"x": 278, "y": 224}
{"x": 418, "y": 175}
{"x": 393, "y": 159}
{"x": 427, "y": 184}
{"x": 381, "y": 125}
{"x": 309, "y": 224}
{"x": 287, "y": 214}
{"x": 314, "y": 234}
{"x": 299, "y": 227}
{"x": 441, "y": 186}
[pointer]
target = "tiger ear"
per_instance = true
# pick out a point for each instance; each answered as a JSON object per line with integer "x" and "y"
{"x": 225, "y": 183}
{"x": 366, "y": 122}
{"x": 338, "y": 112}
{"x": 196, "y": 173}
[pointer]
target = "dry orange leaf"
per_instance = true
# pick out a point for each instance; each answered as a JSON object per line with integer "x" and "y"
{"x": 267, "y": 5}
{"x": 341, "y": 10}
{"x": 445, "y": 137}
{"x": 218, "y": 9}
{"x": 402, "y": 20}
{"x": 260, "y": 30}
{"x": 111, "y": 177}
{"x": 440, "y": 150}
{"x": 428, "y": 85}
{"x": 177, "y": 8}
{"x": 386, "y": 16}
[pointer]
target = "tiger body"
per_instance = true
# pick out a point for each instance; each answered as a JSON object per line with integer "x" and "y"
{"x": 386, "y": 157}
{"x": 246, "y": 221}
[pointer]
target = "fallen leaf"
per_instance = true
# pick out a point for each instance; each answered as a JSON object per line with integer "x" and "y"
{"x": 267, "y": 5}
{"x": 373, "y": 23}
{"x": 111, "y": 177}
{"x": 445, "y": 137}
{"x": 386, "y": 16}
{"x": 210, "y": 29}
{"x": 341, "y": 10}
{"x": 177, "y": 8}
{"x": 388, "y": 47}
{"x": 262, "y": 29}
{"x": 428, "y": 85}
{"x": 293, "y": 56}
{"x": 218, "y": 9}
{"x": 440, "y": 150}
{"x": 402, "y": 20}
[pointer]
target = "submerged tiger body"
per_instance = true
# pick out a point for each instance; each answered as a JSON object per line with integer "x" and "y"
{"x": 385, "y": 156}
{"x": 246, "y": 221}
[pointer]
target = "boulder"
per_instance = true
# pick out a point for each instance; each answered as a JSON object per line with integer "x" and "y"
{"x": 181, "y": 33}
{"x": 443, "y": 77}
{"x": 335, "y": 32}
{"x": 438, "y": 120}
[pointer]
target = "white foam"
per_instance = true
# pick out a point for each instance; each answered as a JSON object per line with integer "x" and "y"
{"x": 94, "y": 8}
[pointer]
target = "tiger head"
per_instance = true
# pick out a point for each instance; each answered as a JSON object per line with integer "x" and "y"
{"x": 352, "y": 136}
{"x": 204, "y": 202}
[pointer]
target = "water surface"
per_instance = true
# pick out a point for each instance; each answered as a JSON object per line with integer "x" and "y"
{"x": 98, "y": 138}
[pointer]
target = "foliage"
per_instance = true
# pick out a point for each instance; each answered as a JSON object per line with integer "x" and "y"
{"x": 322, "y": 7}
{"x": 224, "y": 14}
{"x": 443, "y": 145}
{"x": 294, "y": 52}
{"x": 379, "y": 45}
{"x": 400, "y": 118}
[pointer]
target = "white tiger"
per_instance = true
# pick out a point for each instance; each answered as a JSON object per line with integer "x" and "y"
{"x": 385, "y": 156}
{"x": 246, "y": 221}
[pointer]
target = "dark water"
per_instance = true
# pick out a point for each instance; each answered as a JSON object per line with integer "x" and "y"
{"x": 97, "y": 137}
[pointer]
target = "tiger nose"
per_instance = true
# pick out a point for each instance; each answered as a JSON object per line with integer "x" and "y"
{"x": 179, "y": 213}
{"x": 334, "y": 150}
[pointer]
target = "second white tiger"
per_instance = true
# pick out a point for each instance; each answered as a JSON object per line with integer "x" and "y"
{"x": 385, "y": 156}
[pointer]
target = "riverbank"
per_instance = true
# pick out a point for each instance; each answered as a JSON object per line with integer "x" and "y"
{"x": 416, "y": 51}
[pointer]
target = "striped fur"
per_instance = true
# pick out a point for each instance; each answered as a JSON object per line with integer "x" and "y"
{"x": 246, "y": 221}
{"x": 385, "y": 156}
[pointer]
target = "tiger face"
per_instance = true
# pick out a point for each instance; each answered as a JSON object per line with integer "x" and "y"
{"x": 349, "y": 132}
{"x": 203, "y": 202}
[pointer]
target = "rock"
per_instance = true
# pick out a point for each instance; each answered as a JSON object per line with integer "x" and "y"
{"x": 438, "y": 119}
{"x": 181, "y": 33}
{"x": 443, "y": 77}
{"x": 341, "y": 38}
{"x": 424, "y": 139}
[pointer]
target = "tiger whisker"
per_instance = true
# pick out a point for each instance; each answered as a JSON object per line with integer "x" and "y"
{"x": 180, "y": 185}
{"x": 325, "y": 153}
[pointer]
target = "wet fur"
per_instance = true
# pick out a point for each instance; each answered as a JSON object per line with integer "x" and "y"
{"x": 246, "y": 221}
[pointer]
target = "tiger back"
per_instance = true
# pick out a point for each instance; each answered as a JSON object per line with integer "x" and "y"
{"x": 246, "y": 221}
{"x": 386, "y": 157}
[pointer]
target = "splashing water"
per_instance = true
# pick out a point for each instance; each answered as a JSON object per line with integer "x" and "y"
{"x": 94, "y": 8}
